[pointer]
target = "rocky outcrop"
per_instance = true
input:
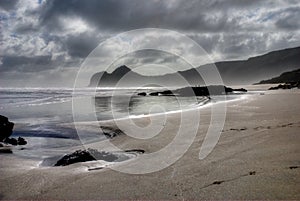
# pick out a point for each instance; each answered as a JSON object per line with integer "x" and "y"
{"x": 21, "y": 141}
{"x": 6, "y": 129}
{"x": 111, "y": 132}
{"x": 76, "y": 157}
{"x": 92, "y": 155}
{"x": 240, "y": 90}
{"x": 286, "y": 77}
{"x": 198, "y": 91}
{"x": 288, "y": 85}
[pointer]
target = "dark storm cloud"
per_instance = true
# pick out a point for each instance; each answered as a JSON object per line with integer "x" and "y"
{"x": 8, "y": 4}
{"x": 128, "y": 14}
{"x": 98, "y": 12}
{"x": 40, "y": 36}
{"x": 33, "y": 64}
{"x": 289, "y": 19}
{"x": 82, "y": 44}
{"x": 214, "y": 16}
{"x": 26, "y": 64}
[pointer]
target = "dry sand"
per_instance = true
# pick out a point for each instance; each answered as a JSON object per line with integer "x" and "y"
{"x": 257, "y": 157}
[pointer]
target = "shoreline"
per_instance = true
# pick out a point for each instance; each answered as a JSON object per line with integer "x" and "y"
{"x": 257, "y": 157}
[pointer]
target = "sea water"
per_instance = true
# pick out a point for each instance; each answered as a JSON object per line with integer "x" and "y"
{"x": 40, "y": 114}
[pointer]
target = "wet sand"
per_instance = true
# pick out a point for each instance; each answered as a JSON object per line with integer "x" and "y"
{"x": 257, "y": 157}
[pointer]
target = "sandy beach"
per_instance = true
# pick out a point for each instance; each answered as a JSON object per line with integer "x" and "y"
{"x": 257, "y": 157}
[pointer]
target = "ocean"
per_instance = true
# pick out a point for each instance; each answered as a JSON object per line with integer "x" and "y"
{"x": 40, "y": 114}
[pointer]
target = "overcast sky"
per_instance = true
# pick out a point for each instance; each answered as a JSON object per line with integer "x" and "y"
{"x": 44, "y": 42}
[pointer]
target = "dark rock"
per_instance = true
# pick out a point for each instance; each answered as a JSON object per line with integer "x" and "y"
{"x": 196, "y": 91}
{"x": 6, "y": 151}
{"x": 76, "y": 157}
{"x": 240, "y": 90}
{"x": 12, "y": 141}
{"x": 21, "y": 141}
{"x": 142, "y": 94}
{"x": 199, "y": 91}
{"x": 111, "y": 132}
{"x": 85, "y": 155}
{"x": 288, "y": 85}
{"x": 167, "y": 93}
{"x": 154, "y": 94}
{"x": 103, "y": 155}
{"x": 162, "y": 93}
{"x": 6, "y": 128}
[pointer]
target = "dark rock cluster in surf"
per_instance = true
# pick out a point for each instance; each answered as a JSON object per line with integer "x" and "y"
{"x": 6, "y": 130}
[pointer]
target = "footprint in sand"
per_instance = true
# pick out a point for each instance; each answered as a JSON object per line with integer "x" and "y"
{"x": 252, "y": 173}
{"x": 285, "y": 125}
{"x": 238, "y": 129}
{"x": 217, "y": 182}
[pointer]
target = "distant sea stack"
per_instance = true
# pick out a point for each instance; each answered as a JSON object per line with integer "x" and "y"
{"x": 247, "y": 71}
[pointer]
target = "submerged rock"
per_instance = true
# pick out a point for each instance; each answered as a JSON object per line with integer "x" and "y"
{"x": 142, "y": 94}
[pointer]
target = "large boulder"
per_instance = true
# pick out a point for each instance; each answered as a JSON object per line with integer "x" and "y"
{"x": 6, "y": 128}
{"x": 85, "y": 155}
{"x": 21, "y": 141}
{"x": 76, "y": 157}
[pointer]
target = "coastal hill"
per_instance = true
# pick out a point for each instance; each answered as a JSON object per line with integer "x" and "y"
{"x": 291, "y": 76}
{"x": 247, "y": 71}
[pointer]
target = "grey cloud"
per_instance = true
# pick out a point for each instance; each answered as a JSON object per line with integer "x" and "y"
{"x": 148, "y": 57}
{"x": 33, "y": 64}
{"x": 290, "y": 19}
{"x": 8, "y": 4}
{"x": 206, "y": 41}
{"x": 81, "y": 45}
{"x": 25, "y": 64}
{"x": 25, "y": 28}
{"x": 230, "y": 29}
{"x": 116, "y": 15}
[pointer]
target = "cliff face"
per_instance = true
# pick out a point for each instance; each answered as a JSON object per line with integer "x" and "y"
{"x": 232, "y": 72}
